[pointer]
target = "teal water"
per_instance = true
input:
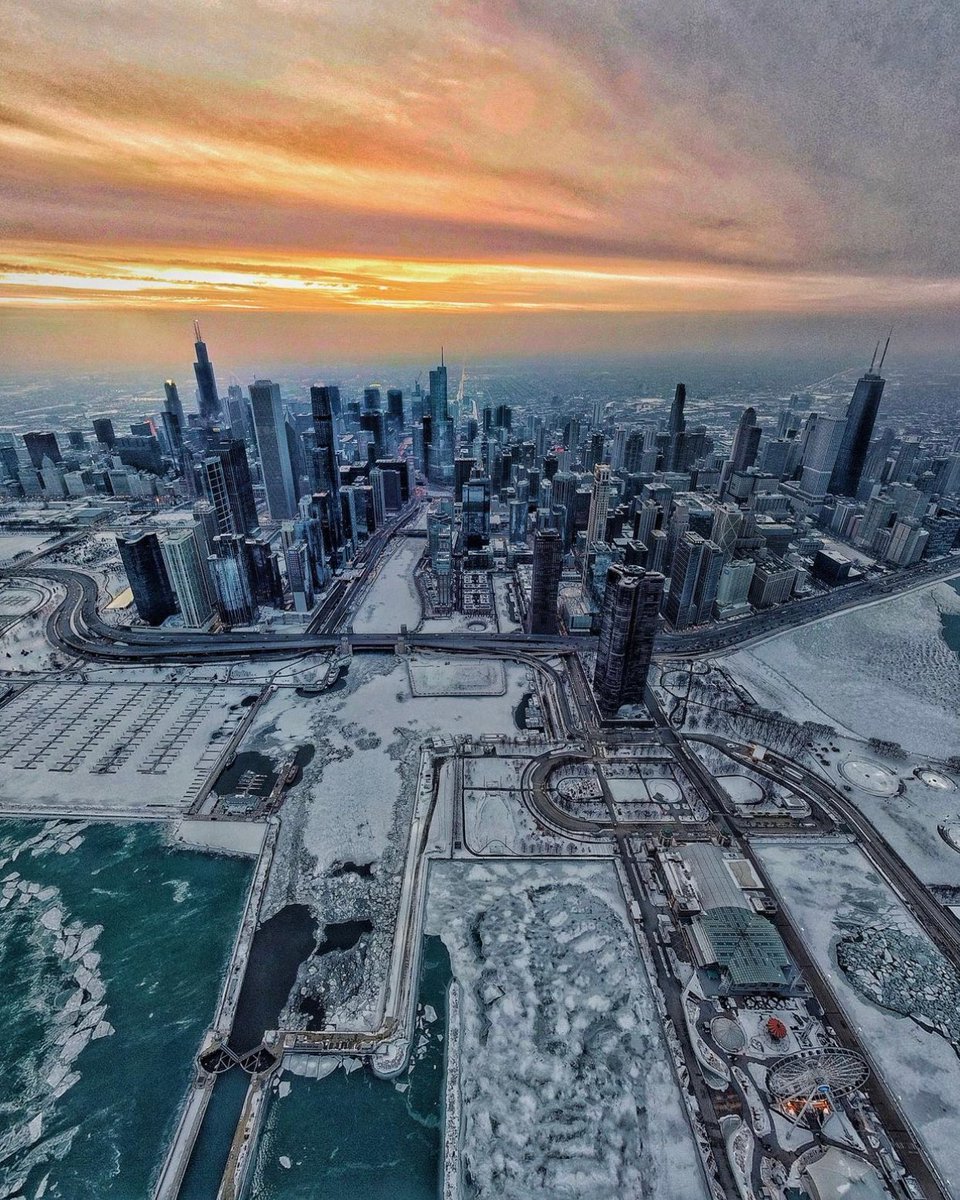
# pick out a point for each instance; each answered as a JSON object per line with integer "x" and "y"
{"x": 358, "y": 1137}
{"x": 168, "y": 917}
{"x": 951, "y": 622}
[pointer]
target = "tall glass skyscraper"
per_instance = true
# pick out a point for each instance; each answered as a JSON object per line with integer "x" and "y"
{"x": 274, "y": 450}
{"x": 206, "y": 383}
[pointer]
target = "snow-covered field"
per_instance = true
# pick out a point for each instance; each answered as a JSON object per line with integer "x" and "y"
{"x": 112, "y": 747}
{"x": 12, "y": 544}
{"x": 435, "y": 676}
{"x": 833, "y": 892}
{"x": 392, "y": 599}
{"x": 881, "y": 671}
{"x": 567, "y": 1090}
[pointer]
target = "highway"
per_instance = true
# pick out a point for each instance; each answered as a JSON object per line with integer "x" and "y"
{"x": 712, "y": 639}
{"x": 75, "y": 625}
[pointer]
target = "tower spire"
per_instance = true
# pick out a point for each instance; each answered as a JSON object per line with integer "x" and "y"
{"x": 196, "y": 330}
{"x": 876, "y": 351}
{"x": 885, "y": 347}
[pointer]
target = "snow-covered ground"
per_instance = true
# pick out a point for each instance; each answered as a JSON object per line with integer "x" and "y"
{"x": 353, "y": 807}
{"x": 436, "y": 676}
{"x": 833, "y": 892}
{"x": 567, "y": 1090}
{"x": 392, "y": 599}
{"x": 881, "y": 671}
{"x": 112, "y": 747}
{"x": 12, "y": 544}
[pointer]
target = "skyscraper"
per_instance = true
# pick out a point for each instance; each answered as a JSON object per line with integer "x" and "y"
{"x": 268, "y": 424}
{"x": 231, "y": 579}
{"x": 172, "y": 419}
{"x": 861, "y": 417}
{"x": 599, "y": 505}
{"x": 476, "y": 511}
{"x": 147, "y": 575}
{"x": 676, "y": 426}
{"x": 42, "y": 444}
{"x": 545, "y": 585}
{"x": 628, "y": 627}
{"x": 441, "y": 441}
{"x": 206, "y": 383}
{"x": 694, "y": 579}
{"x": 104, "y": 432}
{"x": 325, "y": 404}
{"x": 226, "y": 480}
{"x": 746, "y": 441}
{"x": 189, "y": 576}
{"x": 820, "y": 454}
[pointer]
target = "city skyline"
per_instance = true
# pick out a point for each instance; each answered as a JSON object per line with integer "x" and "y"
{"x": 486, "y": 166}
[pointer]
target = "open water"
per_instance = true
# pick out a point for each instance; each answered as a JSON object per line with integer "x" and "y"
{"x": 112, "y": 930}
{"x": 358, "y": 1137}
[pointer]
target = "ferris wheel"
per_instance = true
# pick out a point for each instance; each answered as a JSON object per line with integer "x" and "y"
{"x": 811, "y": 1080}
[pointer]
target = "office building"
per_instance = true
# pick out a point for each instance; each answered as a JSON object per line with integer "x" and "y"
{"x": 42, "y": 444}
{"x": 476, "y": 511}
{"x": 104, "y": 432}
{"x": 147, "y": 575}
{"x": 325, "y": 405}
{"x": 545, "y": 585}
{"x": 273, "y": 447}
{"x": 628, "y": 627}
{"x": 824, "y": 437}
{"x": 746, "y": 441}
{"x": 860, "y": 419}
{"x": 209, "y": 400}
{"x": 599, "y": 505}
{"x": 225, "y": 473}
{"x": 694, "y": 579}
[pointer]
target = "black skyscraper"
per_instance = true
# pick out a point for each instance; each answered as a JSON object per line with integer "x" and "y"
{"x": 545, "y": 586}
{"x": 678, "y": 424}
{"x": 104, "y": 431}
{"x": 206, "y": 384}
{"x": 41, "y": 444}
{"x": 628, "y": 626}
{"x": 861, "y": 417}
{"x": 147, "y": 575}
{"x": 226, "y": 482}
{"x": 325, "y": 403}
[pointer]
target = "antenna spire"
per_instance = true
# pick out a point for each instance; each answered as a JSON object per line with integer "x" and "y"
{"x": 441, "y": 356}
{"x": 884, "y": 354}
{"x": 876, "y": 351}
{"x": 196, "y": 330}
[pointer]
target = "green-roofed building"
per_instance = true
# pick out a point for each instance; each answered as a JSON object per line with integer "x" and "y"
{"x": 744, "y": 949}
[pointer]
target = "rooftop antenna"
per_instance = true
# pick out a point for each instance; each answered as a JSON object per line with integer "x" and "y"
{"x": 884, "y": 354}
{"x": 441, "y": 356}
{"x": 196, "y": 330}
{"x": 876, "y": 351}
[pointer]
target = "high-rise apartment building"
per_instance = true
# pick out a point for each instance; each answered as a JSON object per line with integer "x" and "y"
{"x": 189, "y": 575}
{"x": 226, "y": 480}
{"x": 628, "y": 627}
{"x": 545, "y": 584}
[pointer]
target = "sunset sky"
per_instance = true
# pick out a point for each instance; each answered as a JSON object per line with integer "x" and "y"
{"x": 505, "y": 158}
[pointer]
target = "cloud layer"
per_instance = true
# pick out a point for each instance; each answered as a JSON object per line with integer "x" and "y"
{"x": 617, "y": 155}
